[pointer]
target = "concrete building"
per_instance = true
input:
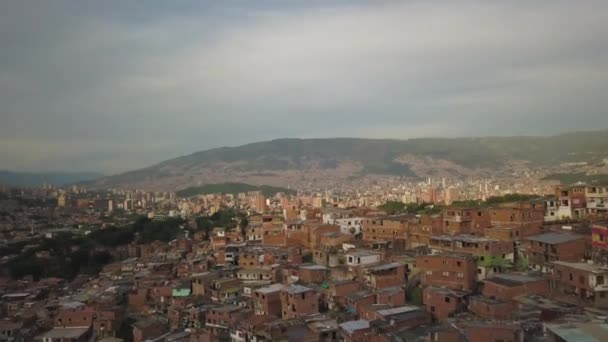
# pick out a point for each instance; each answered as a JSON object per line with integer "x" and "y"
{"x": 362, "y": 258}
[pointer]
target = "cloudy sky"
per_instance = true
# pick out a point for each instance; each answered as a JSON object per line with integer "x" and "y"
{"x": 109, "y": 86}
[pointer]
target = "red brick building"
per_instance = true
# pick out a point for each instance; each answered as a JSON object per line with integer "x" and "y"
{"x": 491, "y": 308}
{"x": 465, "y": 221}
{"x": 528, "y": 216}
{"x": 298, "y": 300}
{"x": 312, "y": 273}
{"x": 267, "y": 300}
{"x": 451, "y": 270}
{"x": 508, "y": 286}
{"x": 442, "y": 303}
{"x": 385, "y": 228}
{"x": 587, "y": 282}
{"x": 542, "y": 249}
{"x": 385, "y": 275}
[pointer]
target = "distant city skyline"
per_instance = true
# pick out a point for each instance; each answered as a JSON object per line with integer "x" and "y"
{"x": 113, "y": 86}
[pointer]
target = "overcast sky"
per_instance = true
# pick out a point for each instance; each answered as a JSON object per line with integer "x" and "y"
{"x": 110, "y": 86}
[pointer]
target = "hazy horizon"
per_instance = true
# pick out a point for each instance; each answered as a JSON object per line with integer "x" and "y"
{"x": 112, "y": 86}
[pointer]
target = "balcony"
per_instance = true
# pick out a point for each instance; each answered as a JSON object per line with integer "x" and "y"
{"x": 601, "y": 288}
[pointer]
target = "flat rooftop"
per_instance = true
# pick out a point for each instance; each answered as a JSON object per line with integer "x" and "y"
{"x": 270, "y": 288}
{"x": 583, "y": 266}
{"x": 397, "y": 310}
{"x": 463, "y": 237}
{"x": 555, "y": 238}
{"x": 295, "y": 289}
{"x": 353, "y": 326}
{"x": 582, "y": 332}
{"x": 65, "y": 333}
{"x": 313, "y": 267}
{"x": 512, "y": 280}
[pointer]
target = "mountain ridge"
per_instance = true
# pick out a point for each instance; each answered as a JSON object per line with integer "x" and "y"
{"x": 285, "y": 161}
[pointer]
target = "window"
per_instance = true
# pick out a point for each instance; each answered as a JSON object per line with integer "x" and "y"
{"x": 446, "y": 274}
{"x": 581, "y": 279}
{"x": 458, "y": 263}
{"x": 602, "y": 294}
{"x": 447, "y": 299}
{"x": 429, "y": 272}
{"x": 432, "y": 309}
{"x": 599, "y": 280}
{"x": 570, "y": 276}
{"x": 460, "y": 275}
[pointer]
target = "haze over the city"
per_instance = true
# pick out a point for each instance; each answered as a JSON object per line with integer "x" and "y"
{"x": 112, "y": 86}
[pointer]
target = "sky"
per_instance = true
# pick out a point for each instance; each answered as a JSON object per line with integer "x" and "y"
{"x": 109, "y": 86}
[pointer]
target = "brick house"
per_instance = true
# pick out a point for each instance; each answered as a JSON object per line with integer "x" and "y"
{"x": 385, "y": 275}
{"x": 148, "y": 329}
{"x": 420, "y": 230}
{"x": 540, "y": 250}
{"x": 508, "y": 286}
{"x": 355, "y": 331}
{"x": 493, "y": 255}
{"x": 588, "y": 282}
{"x": 491, "y": 308}
{"x": 312, "y": 273}
{"x": 220, "y": 319}
{"x": 528, "y": 216}
{"x": 442, "y": 303}
{"x": 494, "y": 332}
{"x": 335, "y": 293}
{"x": 355, "y": 302}
{"x": 465, "y": 221}
{"x": 267, "y": 300}
{"x": 385, "y": 228}
{"x": 393, "y": 296}
{"x": 298, "y": 300}
{"x": 396, "y": 318}
{"x": 452, "y": 270}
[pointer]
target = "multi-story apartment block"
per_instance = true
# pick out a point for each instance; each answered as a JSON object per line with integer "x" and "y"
{"x": 596, "y": 198}
{"x": 465, "y": 221}
{"x": 589, "y": 282}
{"x": 385, "y": 228}
{"x": 527, "y": 215}
{"x": 540, "y": 250}
{"x": 492, "y": 255}
{"x": 457, "y": 271}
